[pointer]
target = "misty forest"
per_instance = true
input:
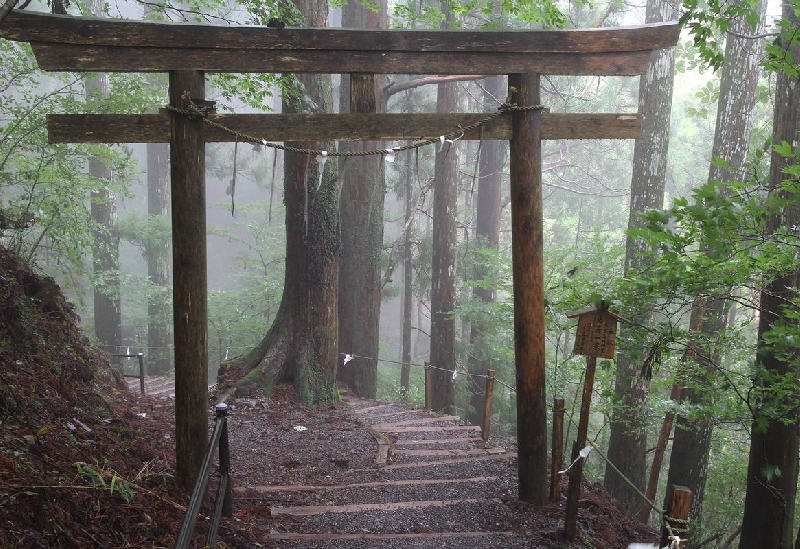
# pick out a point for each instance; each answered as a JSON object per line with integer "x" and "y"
{"x": 370, "y": 262}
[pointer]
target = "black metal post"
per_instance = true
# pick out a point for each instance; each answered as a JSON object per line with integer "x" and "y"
{"x": 140, "y": 356}
{"x": 225, "y": 459}
{"x": 185, "y": 535}
{"x": 224, "y": 501}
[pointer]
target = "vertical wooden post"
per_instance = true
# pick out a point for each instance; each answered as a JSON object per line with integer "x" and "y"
{"x": 487, "y": 405}
{"x": 576, "y": 473}
{"x": 528, "y": 271}
{"x": 586, "y": 401}
{"x": 190, "y": 308}
{"x": 428, "y": 386}
{"x": 557, "y": 446}
{"x": 680, "y": 503}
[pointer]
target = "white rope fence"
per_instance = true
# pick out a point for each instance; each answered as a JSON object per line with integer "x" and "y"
{"x": 460, "y": 369}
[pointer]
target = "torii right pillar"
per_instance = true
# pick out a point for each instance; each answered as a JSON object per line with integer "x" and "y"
{"x": 526, "y": 252}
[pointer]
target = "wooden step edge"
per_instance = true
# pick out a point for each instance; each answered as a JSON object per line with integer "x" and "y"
{"x": 440, "y": 462}
{"x": 450, "y": 452}
{"x": 291, "y": 536}
{"x": 396, "y": 413}
{"x": 362, "y": 409}
{"x": 427, "y": 429}
{"x": 306, "y": 510}
{"x": 437, "y": 441}
{"x": 266, "y": 489}
{"x": 408, "y": 422}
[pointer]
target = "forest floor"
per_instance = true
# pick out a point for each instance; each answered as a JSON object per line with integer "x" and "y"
{"x": 86, "y": 462}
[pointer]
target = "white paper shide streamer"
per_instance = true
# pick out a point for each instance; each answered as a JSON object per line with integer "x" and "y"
{"x": 321, "y": 159}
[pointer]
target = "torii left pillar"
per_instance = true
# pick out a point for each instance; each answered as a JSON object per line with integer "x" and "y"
{"x": 528, "y": 270}
{"x": 190, "y": 278}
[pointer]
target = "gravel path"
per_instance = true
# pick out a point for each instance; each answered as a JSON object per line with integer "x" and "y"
{"x": 316, "y": 479}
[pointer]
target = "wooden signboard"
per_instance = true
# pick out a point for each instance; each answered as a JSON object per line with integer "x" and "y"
{"x": 596, "y": 334}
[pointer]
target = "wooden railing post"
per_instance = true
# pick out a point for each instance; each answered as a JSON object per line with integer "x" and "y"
{"x": 680, "y": 503}
{"x": 486, "y": 424}
{"x": 557, "y": 444}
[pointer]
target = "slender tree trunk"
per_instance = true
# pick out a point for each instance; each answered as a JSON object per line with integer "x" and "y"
{"x": 363, "y": 190}
{"x": 302, "y": 344}
{"x": 105, "y": 250}
{"x": 772, "y": 467}
{"x": 692, "y": 442}
{"x": 408, "y": 278}
{"x": 628, "y": 438}
{"x": 443, "y": 265}
{"x": 487, "y": 231}
{"x": 158, "y": 259}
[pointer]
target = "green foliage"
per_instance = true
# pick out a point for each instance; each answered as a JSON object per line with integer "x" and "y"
{"x": 778, "y": 55}
{"x": 240, "y": 314}
{"x": 709, "y": 20}
{"x": 104, "y": 478}
{"x": 46, "y": 185}
{"x": 480, "y": 13}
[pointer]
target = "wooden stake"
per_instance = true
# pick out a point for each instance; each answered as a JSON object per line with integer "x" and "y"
{"x": 658, "y": 455}
{"x": 428, "y": 386}
{"x": 576, "y": 473}
{"x": 189, "y": 288}
{"x": 487, "y": 405}
{"x": 557, "y": 445}
{"x": 680, "y": 503}
{"x": 526, "y": 251}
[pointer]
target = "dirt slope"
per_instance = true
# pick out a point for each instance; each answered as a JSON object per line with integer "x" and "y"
{"x": 83, "y": 461}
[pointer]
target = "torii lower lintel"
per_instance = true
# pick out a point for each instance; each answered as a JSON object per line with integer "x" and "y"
{"x": 155, "y": 128}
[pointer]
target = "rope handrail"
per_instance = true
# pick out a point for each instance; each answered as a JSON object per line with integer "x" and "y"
{"x": 349, "y": 356}
{"x": 193, "y": 111}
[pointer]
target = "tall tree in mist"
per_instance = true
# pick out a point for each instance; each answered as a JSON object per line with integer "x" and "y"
{"x": 363, "y": 190}
{"x": 105, "y": 250}
{"x": 628, "y": 438}
{"x": 158, "y": 258}
{"x": 302, "y": 344}
{"x": 773, "y": 462}
{"x": 487, "y": 232}
{"x": 738, "y": 82}
{"x": 443, "y": 262}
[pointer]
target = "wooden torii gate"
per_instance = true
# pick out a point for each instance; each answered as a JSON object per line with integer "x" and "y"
{"x": 186, "y": 51}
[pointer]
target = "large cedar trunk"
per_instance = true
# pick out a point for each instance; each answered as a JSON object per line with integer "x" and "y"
{"x": 158, "y": 259}
{"x": 772, "y": 467}
{"x": 487, "y": 232}
{"x": 363, "y": 189}
{"x": 443, "y": 263}
{"x": 628, "y": 438}
{"x": 692, "y": 441}
{"x": 302, "y": 344}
